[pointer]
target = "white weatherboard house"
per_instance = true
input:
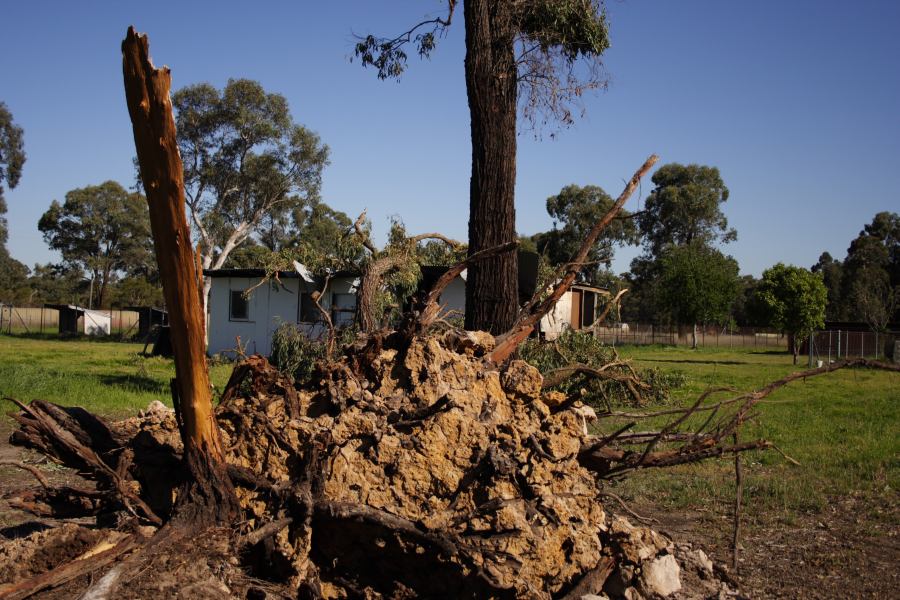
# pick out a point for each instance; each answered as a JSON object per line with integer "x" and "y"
{"x": 250, "y": 321}
{"x": 578, "y": 308}
{"x": 235, "y": 318}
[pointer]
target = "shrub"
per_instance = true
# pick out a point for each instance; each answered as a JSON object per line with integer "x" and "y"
{"x": 574, "y": 347}
{"x": 293, "y": 353}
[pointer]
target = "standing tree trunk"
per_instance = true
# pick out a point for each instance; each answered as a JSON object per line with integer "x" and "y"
{"x": 492, "y": 284}
{"x": 694, "y": 337}
{"x": 209, "y": 496}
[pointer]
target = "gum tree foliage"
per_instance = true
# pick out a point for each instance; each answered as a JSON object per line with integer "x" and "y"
{"x": 12, "y": 159}
{"x": 313, "y": 224}
{"x": 832, "y": 271}
{"x": 248, "y": 167}
{"x": 794, "y": 300}
{"x": 103, "y": 230}
{"x": 871, "y": 271}
{"x": 575, "y": 210}
{"x": 683, "y": 208}
{"x": 13, "y": 274}
{"x": 698, "y": 284}
{"x": 534, "y": 58}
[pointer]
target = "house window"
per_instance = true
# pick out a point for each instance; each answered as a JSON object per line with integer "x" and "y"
{"x": 343, "y": 309}
{"x": 309, "y": 313}
{"x": 239, "y": 309}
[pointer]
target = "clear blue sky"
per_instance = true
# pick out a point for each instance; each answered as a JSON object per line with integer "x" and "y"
{"x": 796, "y": 103}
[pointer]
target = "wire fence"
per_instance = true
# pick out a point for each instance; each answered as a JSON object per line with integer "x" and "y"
{"x": 838, "y": 344}
{"x": 43, "y": 320}
{"x": 738, "y": 337}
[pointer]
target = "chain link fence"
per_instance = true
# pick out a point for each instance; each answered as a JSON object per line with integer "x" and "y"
{"x": 838, "y": 344}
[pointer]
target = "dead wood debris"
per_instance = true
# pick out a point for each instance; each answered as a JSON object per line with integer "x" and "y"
{"x": 420, "y": 471}
{"x": 412, "y": 471}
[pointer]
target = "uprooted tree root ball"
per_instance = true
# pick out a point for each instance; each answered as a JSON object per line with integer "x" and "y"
{"x": 419, "y": 472}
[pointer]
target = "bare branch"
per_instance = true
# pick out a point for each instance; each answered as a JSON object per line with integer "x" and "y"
{"x": 535, "y": 311}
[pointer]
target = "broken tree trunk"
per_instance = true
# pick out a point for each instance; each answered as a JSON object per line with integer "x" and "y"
{"x": 210, "y": 496}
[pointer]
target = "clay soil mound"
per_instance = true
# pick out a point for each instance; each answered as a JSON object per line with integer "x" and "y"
{"x": 426, "y": 472}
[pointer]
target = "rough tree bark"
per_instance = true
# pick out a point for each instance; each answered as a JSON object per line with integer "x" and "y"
{"x": 209, "y": 496}
{"x": 491, "y": 80}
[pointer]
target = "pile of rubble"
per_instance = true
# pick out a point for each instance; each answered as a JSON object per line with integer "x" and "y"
{"x": 421, "y": 472}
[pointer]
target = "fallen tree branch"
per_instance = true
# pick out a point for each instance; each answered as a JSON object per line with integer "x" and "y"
{"x": 557, "y": 376}
{"x": 428, "y": 309}
{"x": 535, "y": 310}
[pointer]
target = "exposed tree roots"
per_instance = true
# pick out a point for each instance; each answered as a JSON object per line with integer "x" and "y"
{"x": 431, "y": 472}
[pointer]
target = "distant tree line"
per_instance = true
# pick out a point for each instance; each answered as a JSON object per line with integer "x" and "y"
{"x": 253, "y": 178}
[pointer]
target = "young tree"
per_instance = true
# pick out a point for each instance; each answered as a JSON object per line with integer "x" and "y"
{"x": 102, "y": 229}
{"x": 698, "y": 284}
{"x": 794, "y": 300}
{"x": 524, "y": 54}
{"x": 575, "y": 210}
{"x": 247, "y": 165}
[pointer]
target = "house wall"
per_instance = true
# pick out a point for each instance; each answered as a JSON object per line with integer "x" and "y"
{"x": 453, "y": 298}
{"x": 268, "y": 306}
{"x": 557, "y": 320}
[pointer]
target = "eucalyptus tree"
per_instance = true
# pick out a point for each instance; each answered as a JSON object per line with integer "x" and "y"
{"x": 575, "y": 210}
{"x": 12, "y": 159}
{"x": 103, "y": 230}
{"x": 534, "y": 58}
{"x": 247, "y": 165}
{"x": 13, "y": 273}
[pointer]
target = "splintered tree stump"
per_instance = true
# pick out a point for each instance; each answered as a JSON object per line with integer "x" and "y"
{"x": 209, "y": 495}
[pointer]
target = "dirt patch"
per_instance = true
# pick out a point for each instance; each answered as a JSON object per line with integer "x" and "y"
{"x": 849, "y": 550}
{"x": 44, "y": 550}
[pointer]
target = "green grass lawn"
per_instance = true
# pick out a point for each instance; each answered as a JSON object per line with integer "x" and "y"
{"x": 110, "y": 378}
{"x": 842, "y": 427}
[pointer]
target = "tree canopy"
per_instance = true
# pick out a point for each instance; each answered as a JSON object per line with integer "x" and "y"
{"x": 13, "y": 274}
{"x": 794, "y": 300}
{"x": 575, "y": 210}
{"x": 12, "y": 159}
{"x": 248, "y": 167}
{"x": 102, "y": 229}
{"x": 697, "y": 284}
{"x": 684, "y": 207}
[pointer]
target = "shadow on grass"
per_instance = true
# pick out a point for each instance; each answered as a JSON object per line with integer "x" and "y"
{"x": 697, "y": 362}
{"x": 138, "y": 383}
